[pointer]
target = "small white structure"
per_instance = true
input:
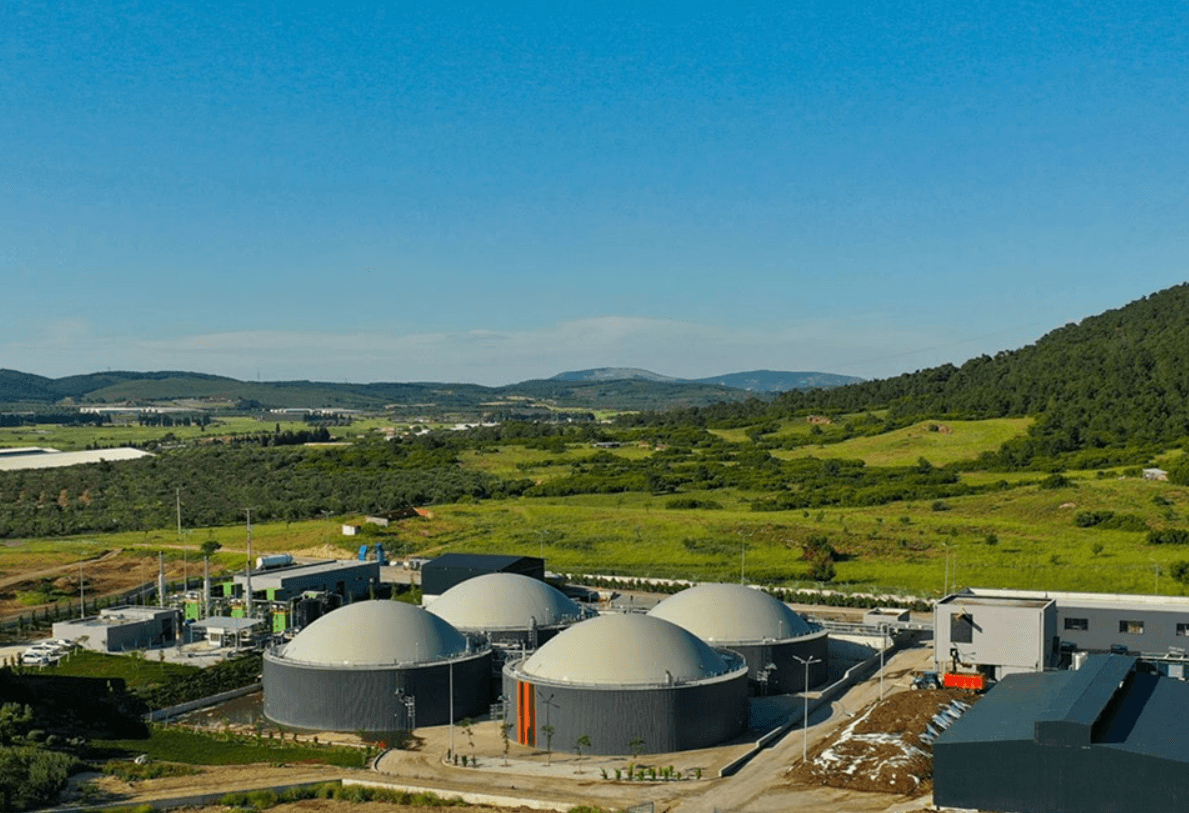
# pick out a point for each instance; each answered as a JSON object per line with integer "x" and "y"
{"x": 230, "y": 632}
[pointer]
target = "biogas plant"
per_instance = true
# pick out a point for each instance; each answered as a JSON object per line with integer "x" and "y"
{"x": 677, "y": 678}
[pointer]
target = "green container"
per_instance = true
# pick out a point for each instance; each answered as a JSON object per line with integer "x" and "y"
{"x": 280, "y": 621}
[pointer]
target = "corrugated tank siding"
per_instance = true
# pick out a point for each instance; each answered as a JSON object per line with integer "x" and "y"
{"x": 353, "y": 699}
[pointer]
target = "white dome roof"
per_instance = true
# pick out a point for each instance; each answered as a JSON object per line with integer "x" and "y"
{"x": 504, "y": 601}
{"x": 376, "y": 632}
{"x": 726, "y": 614}
{"x": 630, "y": 649}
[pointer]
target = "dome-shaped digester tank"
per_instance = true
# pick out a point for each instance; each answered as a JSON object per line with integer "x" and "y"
{"x": 620, "y": 678}
{"x": 773, "y": 639}
{"x": 375, "y": 666}
{"x": 508, "y": 608}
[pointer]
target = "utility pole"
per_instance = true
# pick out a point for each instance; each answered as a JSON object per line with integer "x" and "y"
{"x": 161, "y": 578}
{"x": 248, "y": 577}
{"x": 178, "y": 497}
{"x": 82, "y": 593}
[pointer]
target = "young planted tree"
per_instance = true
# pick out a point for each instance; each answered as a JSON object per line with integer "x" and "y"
{"x": 506, "y": 736}
{"x": 579, "y": 744}
{"x": 547, "y": 730}
{"x": 636, "y": 744}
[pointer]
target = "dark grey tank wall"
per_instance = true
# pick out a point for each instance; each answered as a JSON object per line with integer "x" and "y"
{"x": 353, "y": 699}
{"x": 789, "y": 675}
{"x": 678, "y": 718}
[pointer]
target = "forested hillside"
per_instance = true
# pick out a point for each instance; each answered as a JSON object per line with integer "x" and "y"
{"x": 1117, "y": 380}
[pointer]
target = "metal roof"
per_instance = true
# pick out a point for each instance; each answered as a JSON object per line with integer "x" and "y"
{"x": 277, "y": 576}
{"x": 1111, "y": 704}
{"x": 54, "y": 459}
{"x": 626, "y": 650}
{"x": 376, "y": 633}
{"x": 726, "y": 614}
{"x": 477, "y": 560}
{"x": 216, "y": 622}
{"x": 505, "y": 601}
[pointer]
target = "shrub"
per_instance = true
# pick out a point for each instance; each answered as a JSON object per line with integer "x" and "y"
{"x": 1171, "y": 536}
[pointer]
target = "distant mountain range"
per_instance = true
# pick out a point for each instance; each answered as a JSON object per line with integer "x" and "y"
{"x": 604, "y": 388}
{"x": 753, "y": 381}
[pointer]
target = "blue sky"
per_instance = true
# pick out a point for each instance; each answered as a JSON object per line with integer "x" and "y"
{"x": 501, "y": 191}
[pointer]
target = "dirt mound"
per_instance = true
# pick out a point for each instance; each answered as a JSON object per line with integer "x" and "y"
{"x": 881, "y": 749}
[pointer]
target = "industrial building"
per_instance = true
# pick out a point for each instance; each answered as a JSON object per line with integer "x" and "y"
{"x": 509, "y": 609}
{"x": 994, "y": 636}
{"x": 1106, "y": 738}
{"x": 352, "y": 580}
{"x": 628, "y": 682}
{"x": 118, "y": 629}
{"x": 440, "y": 574}
{"x": 376, "y": 666}
{"x": 1006, "y": 631}
{"x": 780, "y": 647}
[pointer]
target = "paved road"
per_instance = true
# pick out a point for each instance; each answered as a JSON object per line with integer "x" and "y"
{"x": 761, "y": 787}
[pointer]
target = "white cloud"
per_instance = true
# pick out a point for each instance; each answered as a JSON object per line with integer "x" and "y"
{"x": 671, "y": 347}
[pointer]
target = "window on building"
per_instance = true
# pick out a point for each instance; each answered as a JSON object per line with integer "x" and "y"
{"x": 1131, "y": 627}
{"x": 961, "y": 628}
{"x": 1081, "y": 624}
{"x": 1183, "y": 630}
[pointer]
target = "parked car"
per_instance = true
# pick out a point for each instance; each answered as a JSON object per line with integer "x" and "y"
{"x": 31, "y": 658}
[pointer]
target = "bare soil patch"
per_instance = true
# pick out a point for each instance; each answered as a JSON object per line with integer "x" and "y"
{"x": 881, "y": 748}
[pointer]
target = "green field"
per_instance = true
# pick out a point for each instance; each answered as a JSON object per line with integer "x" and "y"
{"x": 965, "y": 440}
{"x": 897, "y": 547}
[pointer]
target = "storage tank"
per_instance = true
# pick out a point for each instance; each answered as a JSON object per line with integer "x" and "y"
{"x": 624, "y": 678}
{"x": 509, "y": 609}
{"x": 376, "y": 666}
{"x": 766, "y": 632}
{"x": 273, "y": 561}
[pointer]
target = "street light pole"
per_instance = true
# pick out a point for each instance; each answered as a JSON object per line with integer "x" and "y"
{"x": 452, "y": 754}
{"x": 883, "y": 641}
{"x": 805, "y": 715}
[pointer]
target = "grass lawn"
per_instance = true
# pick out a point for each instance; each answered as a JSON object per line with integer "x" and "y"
{"x": 135, "y": 671}
{"x": 173, "y": 744}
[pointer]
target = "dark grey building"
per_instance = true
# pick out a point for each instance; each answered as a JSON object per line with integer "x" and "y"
{"x": 376, "y": 666}
{"x": 774, "y": 640}
{"x": 350, "y": 579}
{"x": 1106, "y": 738}
{"x": 444, "y": 572}
{"x": 624, "y": 678}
